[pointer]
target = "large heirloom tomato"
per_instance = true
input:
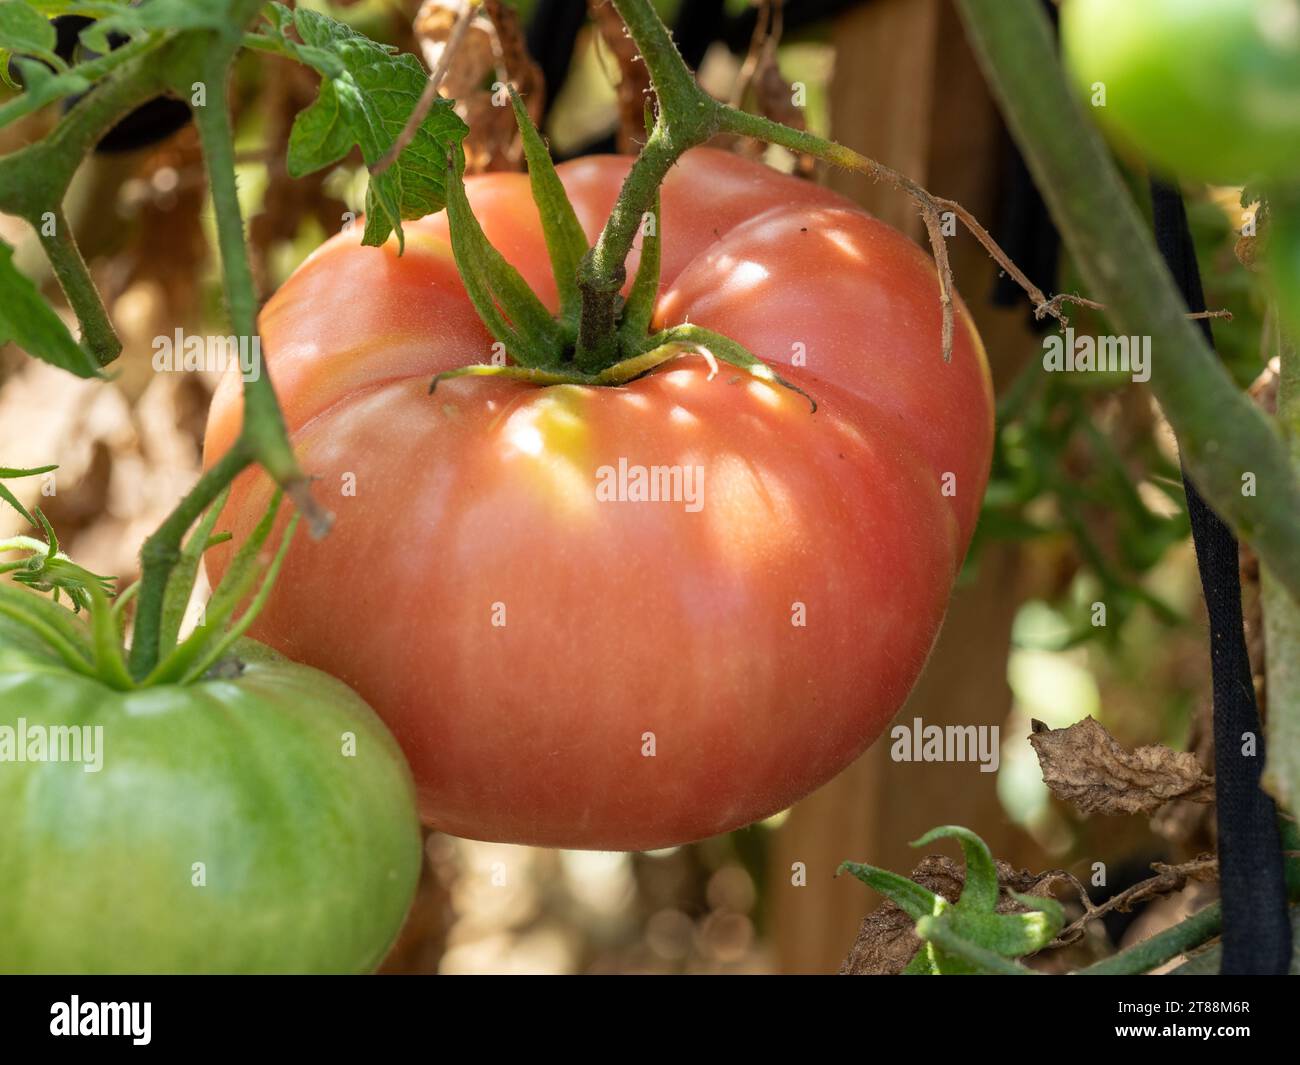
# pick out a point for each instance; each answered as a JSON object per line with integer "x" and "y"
{"x": 566, "y": 657}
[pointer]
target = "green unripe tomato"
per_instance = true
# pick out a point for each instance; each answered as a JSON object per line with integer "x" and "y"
{"x": 1204, "y": 89}
{"x": 259, "y": 822}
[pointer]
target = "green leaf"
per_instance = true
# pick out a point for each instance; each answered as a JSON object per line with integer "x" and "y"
{"x": 367, "y": 92}
{"x": 25, "y": 31}
{"x": 28, "y": 321}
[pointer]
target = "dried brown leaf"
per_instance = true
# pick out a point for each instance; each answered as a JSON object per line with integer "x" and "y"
{"x": 491, "y": 53}
{"x": 634, "y": 77}
{"x": 1084, "y": 766}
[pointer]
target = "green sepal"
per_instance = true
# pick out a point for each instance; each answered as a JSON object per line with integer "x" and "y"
{"x": 567, "y": 374}
{"x": 909, "y": 896}
{"x": 952, "y": 954}
{"x": 724, "y": 349}
{"x": 110, "y": 664}
{"x": 246, "y": 619}
{"x": 508, "y": 307}
{"x": 566, "y": 243}
{"x": 234, "y": 587}
{"x": 639, "y": 309}
{"x": 180, "y": 582}
{"x": 979, "y": 894}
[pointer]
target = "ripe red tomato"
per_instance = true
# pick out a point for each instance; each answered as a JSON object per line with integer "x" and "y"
{"x": 566, "y": 670}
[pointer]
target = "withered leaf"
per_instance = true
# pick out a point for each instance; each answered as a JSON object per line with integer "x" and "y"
{"x": 491, "y": 53}
{"x": 1086, "y": 767}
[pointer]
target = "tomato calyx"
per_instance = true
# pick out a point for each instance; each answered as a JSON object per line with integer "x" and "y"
{"x": 90, "y": 639}
{"x": 660, "y": 348}
{"x": 544, "y": 347}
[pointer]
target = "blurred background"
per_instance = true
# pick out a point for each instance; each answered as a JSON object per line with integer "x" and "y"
{"x": 1085, "y": 503}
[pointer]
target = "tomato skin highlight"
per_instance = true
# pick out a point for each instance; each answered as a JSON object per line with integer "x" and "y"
{"x": 309, "y": 857}
{"x": 1206, "y": 89}
{"x": 566, "y": 671}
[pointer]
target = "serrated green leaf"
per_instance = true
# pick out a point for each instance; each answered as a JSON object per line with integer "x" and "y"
{"x": 367, "y": 93}
{"x": 28, "y": 321}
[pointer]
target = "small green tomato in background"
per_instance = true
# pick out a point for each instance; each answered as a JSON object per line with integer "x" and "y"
{"x": 259, "y": 822}
{"x": 1204, "y": 89}
{"x": 228, "y": 812}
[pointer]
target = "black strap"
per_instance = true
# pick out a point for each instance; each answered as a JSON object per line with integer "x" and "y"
{"x": 1256, "y": 929}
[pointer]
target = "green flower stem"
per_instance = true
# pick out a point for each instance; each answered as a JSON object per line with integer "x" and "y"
{"x": 264, "y": 428}
{"x": 1221, "y": 434}
{"x": 98, "y": 337}
{"x": 1160, "y": 948}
